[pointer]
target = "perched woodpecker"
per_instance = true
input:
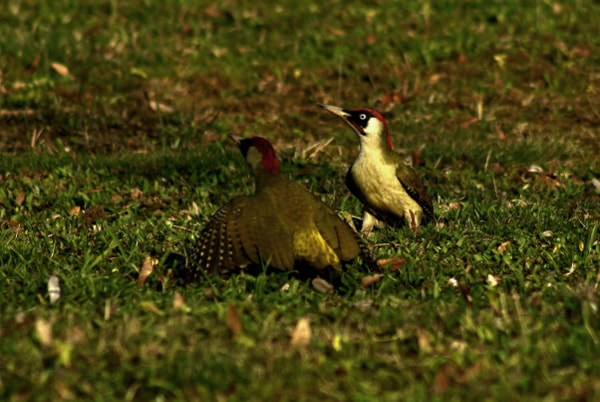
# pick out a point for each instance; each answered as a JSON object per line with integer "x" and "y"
{"x": 282, "y": 225}
{"x": 389, "y": 189}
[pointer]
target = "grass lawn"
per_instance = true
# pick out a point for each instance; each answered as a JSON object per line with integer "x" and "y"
{"x": 114, "y": 118}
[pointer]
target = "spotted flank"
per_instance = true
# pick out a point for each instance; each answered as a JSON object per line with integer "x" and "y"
{"x": 213, "y": 252}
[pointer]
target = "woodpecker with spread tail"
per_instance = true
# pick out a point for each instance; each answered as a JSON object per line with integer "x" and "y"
{"x": 379, "y": 178}
{"x": 282, "y": 225}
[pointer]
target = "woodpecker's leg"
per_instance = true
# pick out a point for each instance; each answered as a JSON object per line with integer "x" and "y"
{"x": 347, "y": 217}
{"x": 413, "y": 219}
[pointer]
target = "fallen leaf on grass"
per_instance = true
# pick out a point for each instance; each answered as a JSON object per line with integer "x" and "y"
{"x": 441, "y": 382}
{"x": 368, "y": 280}
{"x": 156, "y": 106}
{"x": 492, "y": 280}
{"x": 178, "y": 301}
{"x": 63, "y": 391}
{"x": 211, "y": 12}
{"x": 233, "y": 321}
{"x": 20, "y": 197}
{"x": 504, "y": 246}
{"x": 501, "y": 60}
{"x": 43, "y": 329}
{"x": 335, "y": 31}
{"x": 151, "y": 307}
{"x": 146, "y": 270}
{"x": 16, "y": 112}
{"x": 75, "y": 211}
{"x": 302, "y": 333}
{"x": 392, "y": 97}
{"x": 363, "y": 305}
{"x": 35, "y": 63}
{"x": 535, "y": 169}
{"x": 550, "y": 181}
{"x": 469, "y": 122}
{"x": 60, "y": 68}
{"x": 136, "y": 193}
{"x": 321, "y": 285}
{"x": 337, "y": 343}
{"x": 370, "y": 39}
{"x": 435, "y": 78}
{"x": 423, "y": 340}
{"x": 394, "y": 262}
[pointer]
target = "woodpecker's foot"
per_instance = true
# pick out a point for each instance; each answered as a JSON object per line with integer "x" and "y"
{"x": 368, "y": 223}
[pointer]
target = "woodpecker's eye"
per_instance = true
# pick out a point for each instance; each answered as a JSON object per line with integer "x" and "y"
{"x": 363, "y": 116}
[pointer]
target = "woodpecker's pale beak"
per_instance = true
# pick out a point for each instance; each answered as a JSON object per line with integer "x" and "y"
{"x": 344, "y": 115}
{"x": 241, "y": 143}
{"x": 338, "y": 111}
{"x": 235, "y": 138}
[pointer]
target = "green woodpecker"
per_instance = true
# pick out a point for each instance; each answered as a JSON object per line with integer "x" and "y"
{"x": 389, "y": 189}
{"x": 282, "y": 225}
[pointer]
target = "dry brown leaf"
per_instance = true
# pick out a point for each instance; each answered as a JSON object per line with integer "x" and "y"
{"x": 147, "y": 268}
{"x": 474, "y": 371}
{"x": 363, "y": 304}
{"x": 557, "y": 8}
{"x": 16, "y": 112}
{"x": 469, "y": 122}
{"x": 35, "y": 63}
{"x": 435, "y": 78}
{"x": 321, "y": 285}
{"x": 504, "y": 246}
{"x": 302, "y": 333}
{"x": 20, "y": 197}
{"x": 43, "y": 329}
{"x": 233, "y": 321}
{"x": 75, "y": 211}
{"x": 63, "y": 391}
{"x": 211, "y": 12}
{"x": 394, "y": 262}
{"x": 60, "y": 68}
{"x": 583, "y": 52}
{"x": 368, "y": 280}
{"x": 392, "y": 97}
{"x": 160, "y": 106}
{"x": 335, "y": 31}
{"x": 550, "y": 181}
{"x": 496, "y": 167}
{"x": 136, "y": 193}
{"x": 178, "y": 301}
{"x": 423, "y": 340}
{"x": 441, "y": 382}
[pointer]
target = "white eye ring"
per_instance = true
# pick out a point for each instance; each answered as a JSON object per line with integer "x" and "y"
{"x": 363, "y": 116}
